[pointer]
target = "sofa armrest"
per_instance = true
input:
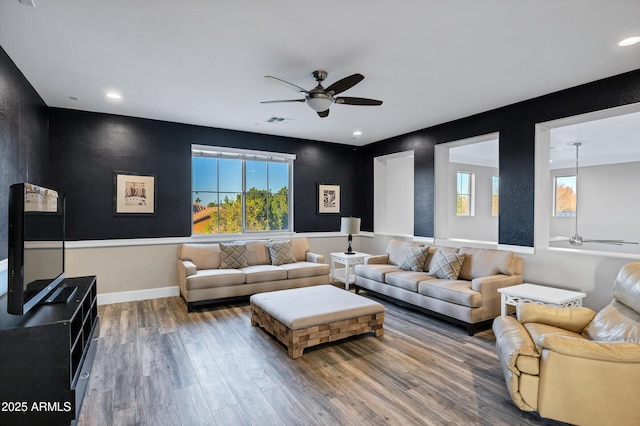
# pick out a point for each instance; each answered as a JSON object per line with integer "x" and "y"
{"x": 492, "y": 283}
{"x": 488, "y": 288}
{"x": 624, "y": 352}
{"x": 573, "y": 319}
{"x": 314, "y": 257}
{"x": 186, "y": 268}
{"x": 382, "y": 259}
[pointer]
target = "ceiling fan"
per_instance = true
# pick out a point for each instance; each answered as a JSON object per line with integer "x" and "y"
{"x": 320, "y": 99}
{"x": 577, "y": 239}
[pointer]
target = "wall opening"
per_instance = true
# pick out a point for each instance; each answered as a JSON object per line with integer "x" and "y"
{"x": 393, "y": 194}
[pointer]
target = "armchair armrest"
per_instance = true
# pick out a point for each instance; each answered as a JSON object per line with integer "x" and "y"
{"x": 382, "y": 259}
{"x": 519, "y": 359}
{"x": 186, "y": 268}
{"x": 624, "y": 352}
{"x": 573, "y": 319}
{"x": 512, "y": 341}
{"x": 314, "y": 257}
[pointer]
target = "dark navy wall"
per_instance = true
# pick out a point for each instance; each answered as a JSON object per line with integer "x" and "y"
{"x": 24, "y": 151}
{"x": 516, "y": 124}
{"x": 86, "y": 148}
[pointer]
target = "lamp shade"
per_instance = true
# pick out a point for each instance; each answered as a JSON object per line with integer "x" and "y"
{"x": 350, "y": 225}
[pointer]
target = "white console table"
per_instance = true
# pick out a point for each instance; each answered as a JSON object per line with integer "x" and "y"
{"x": 540, "y": 294}
{"x": 345, "y": 273}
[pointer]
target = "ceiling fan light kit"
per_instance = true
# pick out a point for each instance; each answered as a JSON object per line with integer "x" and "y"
{"x": 320, "y": 99}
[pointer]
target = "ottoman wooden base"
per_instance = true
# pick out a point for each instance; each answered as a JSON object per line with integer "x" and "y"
{"x": 297, "y": 340}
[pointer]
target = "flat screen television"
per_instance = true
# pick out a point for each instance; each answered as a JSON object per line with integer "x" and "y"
{"x": 36, "y": 246}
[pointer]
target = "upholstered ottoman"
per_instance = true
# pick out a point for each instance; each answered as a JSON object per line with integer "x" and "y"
{"x": 304, "y": 317}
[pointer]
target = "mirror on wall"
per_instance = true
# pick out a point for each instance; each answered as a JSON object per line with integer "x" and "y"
{"x": 467, "y": 189}
{"x": 600, "y": 201}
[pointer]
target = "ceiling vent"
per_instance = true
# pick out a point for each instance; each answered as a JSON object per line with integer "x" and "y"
{"x": 278, "y": 120}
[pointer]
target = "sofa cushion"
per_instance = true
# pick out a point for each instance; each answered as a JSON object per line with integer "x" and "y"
{"x": 281, "y": 252}
{"x": 446, "y": 265}
{"x": 375, "y": 271}
{"x": 305, "y": 269}
{"x": 262, "y": 273}
{"x": 414, "y": 258}
{"x": 453, "y": 291}
{"x": 486, "y": 262}
{"x": 257, "y": 252}
{"x": 407, "y": 280}
{"x": 209, "y": 278}
{"x": 300, "y": 248}
{"x": 204, "y": 256}
{"x": 233, "y": 256}
{"x": 395, "y": 250}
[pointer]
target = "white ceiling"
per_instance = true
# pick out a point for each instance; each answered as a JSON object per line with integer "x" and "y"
{"x": 203, "y": 62}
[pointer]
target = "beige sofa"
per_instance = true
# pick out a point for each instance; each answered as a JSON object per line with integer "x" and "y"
{"x": 203, "y": 278}
{"x": 573, "y": 364}
{"x": 470, "y": 299}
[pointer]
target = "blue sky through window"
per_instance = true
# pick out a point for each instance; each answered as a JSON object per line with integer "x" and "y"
{"x": 205, "y": 177}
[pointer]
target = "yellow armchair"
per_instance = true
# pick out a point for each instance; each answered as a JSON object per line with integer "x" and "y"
{"x": 573, "y": 364}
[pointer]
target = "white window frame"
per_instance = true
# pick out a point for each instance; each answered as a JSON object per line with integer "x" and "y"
{"x": 555, "y": 197}
{"x": 248, "y": 155}
{"x": 471, "y": 194}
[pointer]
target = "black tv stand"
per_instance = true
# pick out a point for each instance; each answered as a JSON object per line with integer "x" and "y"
{"x": 47, "y": 355}
{"x": 61, "y": 295}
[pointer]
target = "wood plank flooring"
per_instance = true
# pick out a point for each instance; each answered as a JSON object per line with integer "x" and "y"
{"x": 158, "y": 365}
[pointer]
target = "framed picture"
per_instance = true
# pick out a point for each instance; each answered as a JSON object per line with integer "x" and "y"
{"x": 134, "y": 193}
{"x": 328, "y": 198}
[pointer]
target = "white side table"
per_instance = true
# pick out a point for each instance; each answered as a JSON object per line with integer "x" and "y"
{"x": 539, "y": 294}
{"x": 345, "y": 273}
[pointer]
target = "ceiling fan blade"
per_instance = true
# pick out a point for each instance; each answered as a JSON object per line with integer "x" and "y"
{"x": 324, "y": 113}
{"x": 357, "y": 101}
{"x": 614, "y": 242}
{"x": 344, "y": 84}
{"x": 287, "y": 84}
{"x": 281, "y": 101}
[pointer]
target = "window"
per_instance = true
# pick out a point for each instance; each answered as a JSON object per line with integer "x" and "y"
{"x": 564, "y": 189}
{"x": 495, "y": 190}
{"x": 240, "y": 191}
{"x": 464, "y": 194}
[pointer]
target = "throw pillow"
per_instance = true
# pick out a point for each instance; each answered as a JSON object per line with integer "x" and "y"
{"x": 446, "y": 265}
{"x": 281, "y": 252}
{"x": 413, "y": 258}
{"x": 233, "y": 256}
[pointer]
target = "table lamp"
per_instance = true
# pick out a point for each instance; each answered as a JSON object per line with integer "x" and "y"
{"x": 350, "y": 225}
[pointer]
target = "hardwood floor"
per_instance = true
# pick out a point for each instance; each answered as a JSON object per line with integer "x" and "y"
{"x": 158, "y": 365}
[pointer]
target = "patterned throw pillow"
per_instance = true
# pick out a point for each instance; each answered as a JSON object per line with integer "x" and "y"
{"x": 446, "y": 265}
{"x": 233, "y": 256}
{"x": 413, "y": 258}
{"x": 281, "y": 252}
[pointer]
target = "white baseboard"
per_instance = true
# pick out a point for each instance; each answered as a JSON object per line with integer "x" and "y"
{"x": 132, "y": 296}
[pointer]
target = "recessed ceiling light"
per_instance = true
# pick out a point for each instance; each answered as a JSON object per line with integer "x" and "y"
{"x": 113, "y": 95}
{"x": 629, "y": 41}
{"x": 357, "y": 133}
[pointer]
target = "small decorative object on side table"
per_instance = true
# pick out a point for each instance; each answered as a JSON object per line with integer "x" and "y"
{"x": 345, "y": 274}
{"x": 539, "y": 294}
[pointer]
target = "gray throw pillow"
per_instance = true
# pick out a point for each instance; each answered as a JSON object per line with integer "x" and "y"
{"x": 446, "y": 265}
{"x": 281, "y": 252}
{"x": 413, "y": 258}
{"x": 233, "y": 256}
